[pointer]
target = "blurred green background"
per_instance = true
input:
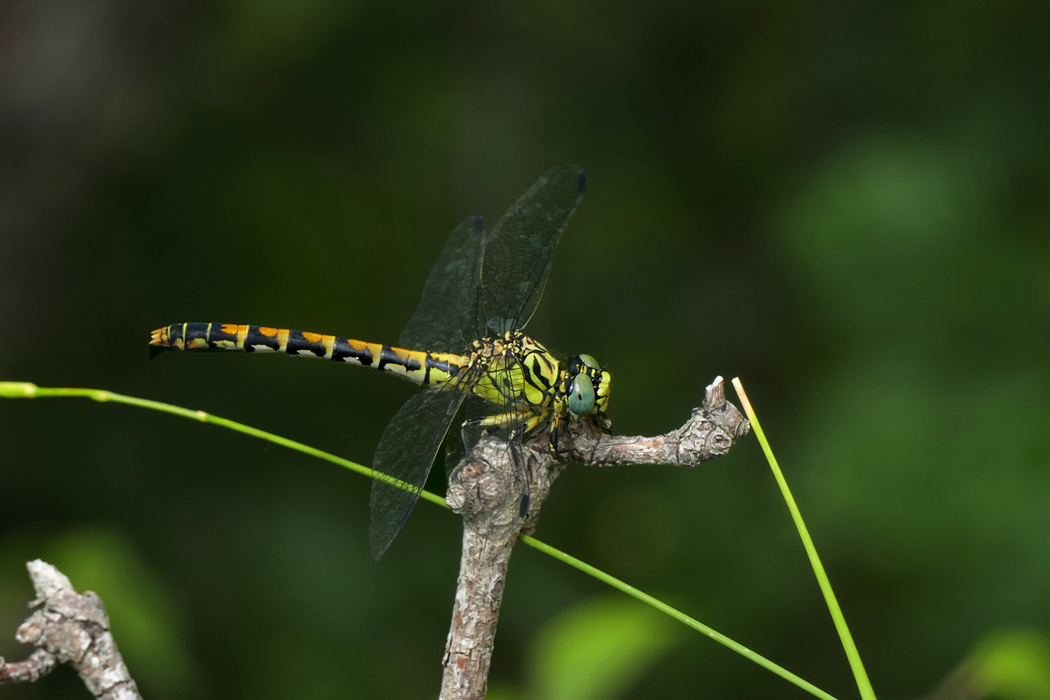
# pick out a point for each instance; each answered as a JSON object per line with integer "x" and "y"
{"x": 845, "y": 205}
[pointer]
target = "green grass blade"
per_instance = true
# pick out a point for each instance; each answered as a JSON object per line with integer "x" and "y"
{"x": 676, "y": 614}
{"x": 20, "y": 390}
{"x": 27, "y": 390}
{"x": 861, "y": 676}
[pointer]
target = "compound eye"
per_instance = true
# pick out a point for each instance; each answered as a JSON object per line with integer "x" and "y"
{"x": 581, "y": 398}
{"x": 589, "y": 361}
{"x": 581, "y": 362}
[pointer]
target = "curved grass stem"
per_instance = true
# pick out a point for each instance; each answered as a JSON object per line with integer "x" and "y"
{"x": 27, "y": 390}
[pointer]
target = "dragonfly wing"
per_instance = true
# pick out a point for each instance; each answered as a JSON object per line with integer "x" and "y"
{"x": 406, "y": 452}
{"x": 443, "y": 321}
{"x": 518, "y": 250}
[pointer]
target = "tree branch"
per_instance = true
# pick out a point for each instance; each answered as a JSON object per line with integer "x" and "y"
{"x": 475, "y": 487}
{"x": 69, "y": 628}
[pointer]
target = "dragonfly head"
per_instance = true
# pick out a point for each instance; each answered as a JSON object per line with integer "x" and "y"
{"x": 588, "y": 386}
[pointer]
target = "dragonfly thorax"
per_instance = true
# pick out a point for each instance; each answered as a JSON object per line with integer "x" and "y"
{"x": 520, "y": 374}
{"x": 516, "y": 371}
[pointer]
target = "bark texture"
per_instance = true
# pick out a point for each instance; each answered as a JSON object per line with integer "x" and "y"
{"x": 69, "y": 628}
{"x": 474, "y": 486}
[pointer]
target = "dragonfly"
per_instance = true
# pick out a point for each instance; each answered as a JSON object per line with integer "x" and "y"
{"x": 465, "y": 343}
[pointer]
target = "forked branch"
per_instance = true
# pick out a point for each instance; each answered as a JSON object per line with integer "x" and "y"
{"x": 69, "y": 628}
{"x": 709, "y": 433}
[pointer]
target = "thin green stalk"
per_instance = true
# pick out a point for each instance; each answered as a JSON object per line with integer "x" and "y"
{"x": 26, "y": 390}
{"x": 676, "y": 614}
{"x": 861, "y": 676}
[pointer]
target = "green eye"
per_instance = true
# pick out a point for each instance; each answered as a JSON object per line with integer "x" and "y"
{"x": 581, "y": 398}
{"x": 589, "y": 361}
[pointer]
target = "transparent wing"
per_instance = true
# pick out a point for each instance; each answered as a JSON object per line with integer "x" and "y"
{"x": 518, "y": 250}
{"x": 493, "y": 482}
{"x": 444, "y": 319}
{"x": 406, "y": 452}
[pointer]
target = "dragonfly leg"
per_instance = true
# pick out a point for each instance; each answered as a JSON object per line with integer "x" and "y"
{"x": 525, "y": 420}
{"x": 556, "y": 423}
{"x": 560, "y": 418}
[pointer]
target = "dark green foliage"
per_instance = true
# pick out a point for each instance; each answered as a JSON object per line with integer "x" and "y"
{"x": 845, "y": 205}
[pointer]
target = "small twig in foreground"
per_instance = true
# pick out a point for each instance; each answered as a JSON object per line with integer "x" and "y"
{"x": 69, "y": 628}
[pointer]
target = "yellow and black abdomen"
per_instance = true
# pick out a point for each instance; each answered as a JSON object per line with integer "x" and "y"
{"x": 418, "y": 366}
